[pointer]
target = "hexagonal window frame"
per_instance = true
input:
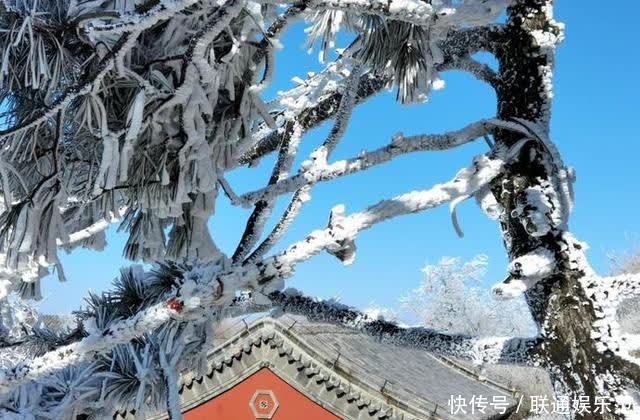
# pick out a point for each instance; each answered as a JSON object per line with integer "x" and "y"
{"x": 253, "y": 408}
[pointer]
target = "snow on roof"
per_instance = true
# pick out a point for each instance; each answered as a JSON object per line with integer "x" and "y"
{"x": 351, "y": 373}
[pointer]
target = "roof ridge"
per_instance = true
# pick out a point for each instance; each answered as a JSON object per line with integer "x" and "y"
{"x": 325, "y": 370}
{"x": 450, "y": 362}
{"x": 369, "y": 397}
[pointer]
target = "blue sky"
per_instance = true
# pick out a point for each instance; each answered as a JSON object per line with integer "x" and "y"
{"x": 594, "y": 124}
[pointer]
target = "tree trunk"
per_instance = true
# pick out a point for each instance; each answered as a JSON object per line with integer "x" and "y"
{"x": 559, "y": 303}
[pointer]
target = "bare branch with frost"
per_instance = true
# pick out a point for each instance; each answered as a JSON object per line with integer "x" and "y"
{"x": 398, "y": 146}
{"x": 457, "y": 44}
{"x": 93, "y": 229}
{"x": 317, "y": 159}
{"x": 263, "y": 208}
{"x": 480, "y": 71}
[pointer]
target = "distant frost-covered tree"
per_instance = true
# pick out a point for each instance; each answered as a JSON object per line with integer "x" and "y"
{"x": 450, "y": 299}
{"x": 626, "y": 263}
{"x": 136, "y": 110}
{"x": 628, "y": 311}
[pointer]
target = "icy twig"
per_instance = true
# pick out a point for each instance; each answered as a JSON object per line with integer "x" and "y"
{"x": 478, "y": 70}
{"x": 318, "y": 159}
{"x": 263, "y": 208}
{"x": 93, "y": 229}
{"x": 459, "y": 43}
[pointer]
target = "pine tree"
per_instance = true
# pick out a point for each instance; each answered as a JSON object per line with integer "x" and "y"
{"x": 136, "y": 111}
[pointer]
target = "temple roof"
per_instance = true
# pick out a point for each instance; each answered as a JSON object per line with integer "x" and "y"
{"x": 351, "y": 374}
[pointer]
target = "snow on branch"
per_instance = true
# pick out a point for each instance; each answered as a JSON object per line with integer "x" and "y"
{"x": 606, "y": 295}
{"x": 288, "y": 149}
{"x": 478, "y": 70}
{"x": 525, "y": 272}
{"x": 457, "y": 44}
{"x": 205, "y": 289}
{"x": 86, "y": 156}
{"x": 402, "y": 37}
{"x": 95, "y": 228}
{"x": 122, "y": 47}
{"x": 467, "y": 182}
{"x": 177, "y": 132}
{"x": 161, "y": 11}
{"x": 479, "y": 350}
{"x": 263, "y": 208}
{"x": 314, "y": 108}
{"x": 317, "y": 159}
{"x": 398, "y": 146}
{"x": 147, "y": 107}
{"x": 440, "y": 14}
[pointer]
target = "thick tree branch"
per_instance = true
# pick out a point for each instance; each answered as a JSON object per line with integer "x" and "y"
{"x": 480, "y": 71}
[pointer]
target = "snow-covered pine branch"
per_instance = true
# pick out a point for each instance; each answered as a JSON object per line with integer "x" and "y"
{"x": 440, "y": 15}
{"x": 82, "y": 175}
{"x": 128, "y": 21}
{"x": 152, "y": 85}
{"x": 199, "y": 291}
{"x": 121, "y": 47}
{"x": 456, "y": 44}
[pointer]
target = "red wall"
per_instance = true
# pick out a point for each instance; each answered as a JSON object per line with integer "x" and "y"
{"x": 234, "y": 404}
